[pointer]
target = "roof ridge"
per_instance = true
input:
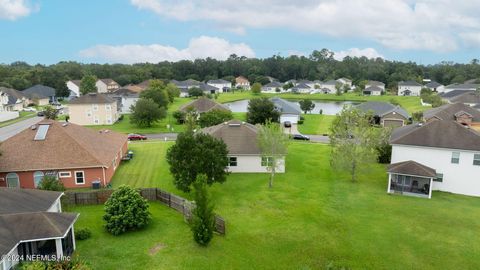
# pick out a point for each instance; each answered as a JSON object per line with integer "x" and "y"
{"x": 414, "y": 130}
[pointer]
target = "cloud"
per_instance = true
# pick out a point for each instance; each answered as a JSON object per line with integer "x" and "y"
{"x": 14, "y": 9}
{"x": 356, "y": 52}
{"x": 399, "y": 24}
{"x": 200, "y": 47}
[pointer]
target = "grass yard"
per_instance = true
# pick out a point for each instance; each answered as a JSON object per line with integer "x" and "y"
{"x": 316, "y": 124}
{"x": 312, "y": 218}
{"x": 22, "y": 116}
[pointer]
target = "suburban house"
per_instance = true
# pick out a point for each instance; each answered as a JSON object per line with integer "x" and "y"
{"x": 435, "y": 87}
{"x": 185, "y": 86}
{"x": 106, "y": 86}
{"x": 289, "y": 111}
{"x": 463, "y": 87}
{"x": 301, "y": 88}
{"x": 74, "y": 154}
{"x": 292, "y": 81}
{"x": 306, "y": 82}
{"x": 330, "y": 85}
{"x": 143, "y": 85}
{"x": 13, "y": 100}
{"x": 133, "y": 87}
{"x": 93, "y": 109}
{"x": 470, "y": 98}
{"x": 74, "y": 88}
{"x": 242, "y": 82}
{"x": 409, "y": 88}
{"x": 374, "y": 91}
{"x": 222, "y": 85}
{"x": 125, "y": 99}
{"x": 448, "y": 96}
{"x": 34, "y": 227}
{"x": 272, "y": 87}
{"x": 458, "y": 112}
{"x": 202, "y": 105}
{"x": 438, "y": 155}
{"x": 40, "y": 93}
{"x": 385, "y": 114}
{"x": 244, "y": 153}
{"x": 345, "y": 81}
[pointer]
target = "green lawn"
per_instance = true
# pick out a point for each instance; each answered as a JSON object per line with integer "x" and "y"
{"x": 316, "y": 124}
{"x": 311, "y": 218}
{"x": 22, "y": 116}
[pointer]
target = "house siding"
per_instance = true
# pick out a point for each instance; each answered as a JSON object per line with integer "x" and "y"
{"x": 253, "y": 164}
{"x": 393, "y": 117}
{"x": 79, "y": 114}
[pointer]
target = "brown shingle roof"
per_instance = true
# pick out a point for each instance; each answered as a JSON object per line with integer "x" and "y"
{"x": 203, "y": 104}
{"x": 448, "y": 111}
{"x": 108, "y": 81}
{"x": 240, "y": 137}
{"x": 92, "y": 98}
{"x": 440, "y": 134}
{"x": 19, "y": 200}
{"x": 411, "y": 168}
{"x": 65, "y": 146}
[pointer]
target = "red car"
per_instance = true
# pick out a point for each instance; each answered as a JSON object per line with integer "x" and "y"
{"x": 136, "y": 137}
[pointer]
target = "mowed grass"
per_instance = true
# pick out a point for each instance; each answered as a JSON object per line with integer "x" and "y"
{"x": 23, "y": 115}
{"x": 311, "y": 218}
{"x": 316, "y": 124}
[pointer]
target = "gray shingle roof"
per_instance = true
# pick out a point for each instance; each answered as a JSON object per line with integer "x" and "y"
{"x": 382, "y": 108}
{"x": 125, "y": 92}
{"x": 92, "y": 98}
{"x": 286, "y": 107}
{"x": 469, "y": 97}
{"x": 439, "y": 134}
{"x": 448, "y": 111}
{"x": 331, "y": 82}
{"x": 273, "y": 84}
{"x": 240, "y": 137}
{"x": 40, "y": 91}
{"x": 375, "y": 83}
{"x": 16, "y": 200}
{"x": 464, "y": 86}
{"x": 373, "y": 88}
{"x": 412, "y": 168}
{"x": 408, "y": 83}
{"x": 454, "y": 93}
{"x": 203, "y": 104}
{"x": 13, "y": 95}
{"x": 219, "y": 81}
{"x": 433, "y": 84}
{"x": 302, "y": 86}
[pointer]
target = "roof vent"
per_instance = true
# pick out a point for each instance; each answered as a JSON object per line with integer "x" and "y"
{"x": 33, "y": 127}
{"x": 64, "y": 124}
{"x": 419, "y": 124}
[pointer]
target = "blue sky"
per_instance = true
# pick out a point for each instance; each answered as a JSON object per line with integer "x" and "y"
{"x": 128, "y": 31}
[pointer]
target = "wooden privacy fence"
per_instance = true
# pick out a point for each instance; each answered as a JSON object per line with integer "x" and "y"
{"x": 178, "y": 203}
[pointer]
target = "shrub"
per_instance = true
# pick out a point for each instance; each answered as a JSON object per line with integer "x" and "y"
{"x": 82, "y": 234}
{"x": 300, "y": 122}
{"x": 51, "y": 183}
{"x": 179, "y": 116}
{"x": 126, "y": 210}
{"x": 203, "y": 219}
{"x": 73, "y": 264}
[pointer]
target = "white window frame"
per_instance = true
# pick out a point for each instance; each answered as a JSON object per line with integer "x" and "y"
{"x": 109, "y": 118}
{"x": 457, "y": 159}
{"x": 268, "y": 161}
{"x": 35, "y": 184}
{"x": 96, "y": 119}
{"x": 230, "y": 162}
{"x": 83, "y": 176}
{"x": 477, "y": 155}
{"x": 95, "y": 107}
{"x": 68, "y": 174}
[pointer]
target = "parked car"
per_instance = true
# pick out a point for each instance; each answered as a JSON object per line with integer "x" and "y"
{"x": 136, "y": 137}
{"x": 41, "y": 113}
{"x": 287, "y": 124}
{"x": 300, "y": 137}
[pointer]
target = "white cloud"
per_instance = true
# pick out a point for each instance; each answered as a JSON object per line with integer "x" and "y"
{"x": 356, "y": 52}
{"x": 200, "y": 47}
{"x": 14, "y": 9}
{"x": 399, "y": 24}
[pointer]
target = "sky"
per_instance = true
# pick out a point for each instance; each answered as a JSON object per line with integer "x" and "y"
{"x": 132, "y": 31}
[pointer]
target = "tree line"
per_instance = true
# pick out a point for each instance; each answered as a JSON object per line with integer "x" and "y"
{"x": 319, "y": 65}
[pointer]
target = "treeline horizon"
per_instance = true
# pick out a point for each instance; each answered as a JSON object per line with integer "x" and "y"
{"x": 319, "y": 65}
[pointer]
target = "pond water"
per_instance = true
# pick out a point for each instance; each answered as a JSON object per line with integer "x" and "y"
{"x": 327, "y": 107}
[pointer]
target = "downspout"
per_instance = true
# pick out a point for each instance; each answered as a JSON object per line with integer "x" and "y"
{"x": 103, "y": 170}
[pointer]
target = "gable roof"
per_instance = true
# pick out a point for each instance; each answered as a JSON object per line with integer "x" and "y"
{"x": 39, "y": 91}
{"x": 13, "y": 95}
{"x": 65, "y": 146}
{"x": 203, "y": 104}
{"x": 375, "y": 83}
{"x": 92, "y": 98}
{"x": 286, "y": 107}
{"x": 273, "y": 84}
{"x": 411, "y": 167}
{"x": 330, "y": 82}
{"x": 20, "y": 200}
{"x": 219, "y": 81}
{"x": 301, "y": 86}
{"x": 76, "y": 82}
{"x": 381, "y": 108}
{"x": 448, "y": 111}
{"x": 440, "y": 134}
{"x": 470, "y": 97}
{"x": 463, "y": 86}
{"x": 240, "y": 137}
{"x": 408, "y": 83}
{"x": 304, "y": 82}
{"x": 373, "y": 88}
{"x": 241, "y": 79}
{"x": 433, "y": 84}
{"x": 125, "y": 92}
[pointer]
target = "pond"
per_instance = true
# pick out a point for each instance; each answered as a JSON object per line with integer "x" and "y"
{"x": 327, "y": 107}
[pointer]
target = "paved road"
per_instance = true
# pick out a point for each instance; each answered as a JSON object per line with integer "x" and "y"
{"x": 13, "y": 129}
{"x": 313, "y": 138}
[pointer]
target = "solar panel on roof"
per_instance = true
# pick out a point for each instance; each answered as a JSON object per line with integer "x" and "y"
{"x": 41, "y": 132}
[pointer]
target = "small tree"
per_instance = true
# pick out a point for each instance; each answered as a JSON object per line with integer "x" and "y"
{"x": 417, "y": 116}
{"x": 287, "y": 86}
{"x": 125, "y": 210}
{"x": 256, "y": 88}
{"x": 214, "y": 117}
{"x": 203, "y": 218}
{"x": 51, "y": 183}
{"x": 50, "y": 112}
{"x": 273, "y": 144}
{"x": 261, "y": 110}
{"x": 172, "y": 92}
{"x": 195, "y": 92}
{"x": 306, "y": 105}
{"x": 179, "y": 116}
{"x": 88, "y": 84}
{"x": 338, "y": 88}
{"x": 145, "y": 112}
{"x": 156, "y": 92}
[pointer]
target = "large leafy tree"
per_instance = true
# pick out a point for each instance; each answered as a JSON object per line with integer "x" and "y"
{"x": 88, "y": 84}
{"x": 203, "y": 218}
{"x": 156, "y": 91}
{"x": 256, "y": 88}
{"x": 145, "y": 112}
{"x": 273, "y": 143}
{"x": 195, "y": 154}
{"x": 306, "y": 105}
{"x": 172, "y": 92}
{"x": 214, "y": 117}
{"x": 262, "y": 110}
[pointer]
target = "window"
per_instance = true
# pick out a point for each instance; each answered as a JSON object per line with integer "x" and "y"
{"x": 109, "y": 118}
{"x": 438, "y": 178}
{"x": 267, "y": 161}
{"x": 476, "y": 159}
{"x": 95, "y": 119}
{"x": 79, "y": 178}
{"x": 12, "y": 180}
{"x": 108, "y": 107}
{"x": 232, "y": 162}
{"x": 89, "y": 113}
{"x": 65, "y": 174}
{"x": 95, "y": 107}
{"x": 455, "y": 157}
{"x": 37, "y": 178}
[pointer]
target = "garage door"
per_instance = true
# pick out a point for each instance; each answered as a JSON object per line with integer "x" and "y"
{"x": 393, "y": 123}
{"x": 289, "y": 117}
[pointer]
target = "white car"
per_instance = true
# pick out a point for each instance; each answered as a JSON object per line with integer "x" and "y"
{"x": 30, "y": 109}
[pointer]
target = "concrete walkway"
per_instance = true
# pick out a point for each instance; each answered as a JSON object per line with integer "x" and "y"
{"x": 15, "y": 128}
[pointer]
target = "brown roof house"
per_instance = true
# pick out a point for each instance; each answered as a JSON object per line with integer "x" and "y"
{"x": 242, "y": 82}
{"x": 33, "y": 227}
{"x": 78, "y": 156}
{"x": 243, "y": 150}
{"x": 202, "y": 105}
{"x": 106, "y": 85}
{"x": 438, "y": 155}
{"x": 94, "y": 109}
{"x": 385, "y": 114}
{"x": 458, "y": 112}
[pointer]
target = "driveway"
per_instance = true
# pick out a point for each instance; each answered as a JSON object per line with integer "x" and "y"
{"x": 13, "y": 129}
{"x": 313, "y": 138}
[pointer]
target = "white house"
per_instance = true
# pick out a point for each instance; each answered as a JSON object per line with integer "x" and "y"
{"x": 74, "y": 88}
{"x": 375, "y": 83}
{"x": 33, "y": 224}
{"x": 373, "y": 90}
{"x": 409, "y": 88}
{"x": 272, "y": 87}
{"x": 106, "y": 86}
{"x": 331, "y": 86}
{"x": 242, "y": 82}
{"x": 289, "y": 111}
{"x": 222, "y": 85}
{"x": 243, "y": 151}
{"x": 438, "y": 155}
{"x": 345, "y": 81}
{"x": 301, "y": 88}
{"x": 12, "y": 100}
{"x": 126, "y": 98}
{"x": 435, "y": 87}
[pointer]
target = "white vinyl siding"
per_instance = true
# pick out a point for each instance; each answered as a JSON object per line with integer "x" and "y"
{"x": 476, "y": 159}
